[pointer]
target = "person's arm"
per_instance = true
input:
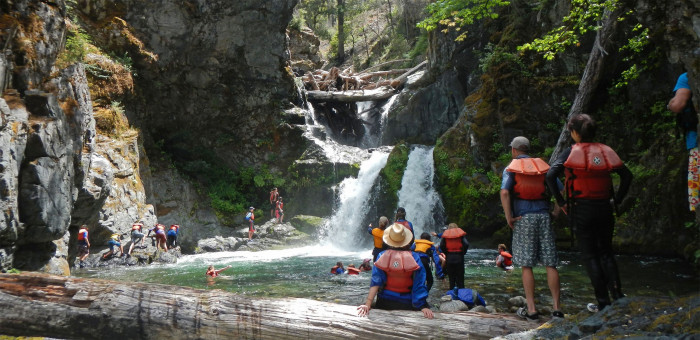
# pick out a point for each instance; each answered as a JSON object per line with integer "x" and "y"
{"x": 553, "y": 174}
{"x": 680, "y": 100}
{"x": 87, "y": 240}
{"x": 369, "y": 229}
{"x": 465, "y": 245}
{"x": 419, "y": 293}
{"x": 363, "y": 310}
{"x": 222, "y": 269}
{"x": 436, "y": 260}
{"x": 625, "y": 181}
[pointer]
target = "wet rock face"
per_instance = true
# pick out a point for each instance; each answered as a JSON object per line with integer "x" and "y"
{"x": 218, "y": 76}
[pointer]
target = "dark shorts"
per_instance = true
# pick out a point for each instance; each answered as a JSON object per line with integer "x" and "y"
{"x": 160, "y": 236}
{"x": 83, "y": 249}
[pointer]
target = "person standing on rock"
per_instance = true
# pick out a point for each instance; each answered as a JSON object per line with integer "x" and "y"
{"x": 280, "y": 211}
{"x": 526, "y": 207}
{"x": 682, "y": 105}
{"x": 83, "y": 245}
{"x": 398, "y": 276}
{"x": 377, "y": 236}
{"x": 172, "y": 235}
{"x": 590, "y": 203}
{"x": 274, "y": 196}
{"x": 250, "y": 217}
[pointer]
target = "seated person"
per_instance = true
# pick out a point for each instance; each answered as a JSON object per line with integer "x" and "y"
{"x": 504, "y": 260}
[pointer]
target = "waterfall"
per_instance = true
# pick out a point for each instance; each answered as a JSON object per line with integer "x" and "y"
{"x": 374, "y": 117}
{"x": 418, "y": 195}
{"x": 346, "y": 227}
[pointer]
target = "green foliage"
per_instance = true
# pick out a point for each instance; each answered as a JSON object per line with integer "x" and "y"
{"x": 583, "y": 18}
{"x": 420, "y": 48}
{"x": 78, "y": 45}
{"x": 395, "y": 166}
{"x": 637, "y": 52}
{"x": 14, "y": 271}
{"x": 457, "y": 14}
{"x": 297, "y": 22}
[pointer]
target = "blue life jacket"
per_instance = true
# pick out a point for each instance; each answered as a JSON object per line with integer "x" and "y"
{"x": 468, "y": 296}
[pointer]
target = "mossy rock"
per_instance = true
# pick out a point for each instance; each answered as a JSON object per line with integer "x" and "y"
{"x": 307, "y": 224}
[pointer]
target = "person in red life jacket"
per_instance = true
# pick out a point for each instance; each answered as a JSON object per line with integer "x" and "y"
{"x": 279, "y": 212}
{"x": 352, "y": 270}
{"x": 377, "y": 235}
{"x": 172, "y": 235}
{"x": 398, "y": 276}
{"x": 454, "y": 245}
{"x": 250, "y": 217}
{"x": 159, "y": 231}
{"x": 366, "y": 266}
{"x": 338, "y": 268}
{"x": 83, "y": 245}
{"x": 215, "y": 272}
{"x": 504, "y": 260}
{"x": 588, "y": 167}
{"x": 526, "y": 208}
{"x": 426, "y": 251}
{"x": 274, "y": 196}
{"x": 136, "y": 236}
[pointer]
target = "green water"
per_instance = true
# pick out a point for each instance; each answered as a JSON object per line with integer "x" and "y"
{"x": 304, "y": 273}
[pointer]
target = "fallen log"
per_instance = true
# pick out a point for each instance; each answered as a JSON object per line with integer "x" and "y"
{"x": 352, "y": 95}
{"x": 36, "y": 304}
{"x": 402, "y": 78}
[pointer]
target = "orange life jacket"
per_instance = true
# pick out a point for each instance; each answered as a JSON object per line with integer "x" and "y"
{"x": 529, "y": 178}
{"x": 422, "y": 246}
{"x": 453, "y": 237}
{"x": 353, "y": 271}
{"x": 82, "y": 234}
{"x": 507, "y": 258}
{"x": 136, "y": 226}
{"x": 399, "y": 266}
{"x": 588, "y": 170}
{"x": 378, "y": 235}
{"x": 174, "y": 227}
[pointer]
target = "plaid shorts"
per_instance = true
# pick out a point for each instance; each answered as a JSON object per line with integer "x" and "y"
{"x": 533, "y": 241}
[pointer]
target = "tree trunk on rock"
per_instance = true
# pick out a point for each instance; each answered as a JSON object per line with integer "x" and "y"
{"x": 63, "y": 307}
{"x": 591, "y": 75}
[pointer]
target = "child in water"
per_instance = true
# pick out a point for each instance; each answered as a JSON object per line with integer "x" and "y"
{"x": 215, "y": 272}
{"x": 338, "y": 268}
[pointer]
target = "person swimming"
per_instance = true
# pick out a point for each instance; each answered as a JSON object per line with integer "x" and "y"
{"x": 215, "y": 272}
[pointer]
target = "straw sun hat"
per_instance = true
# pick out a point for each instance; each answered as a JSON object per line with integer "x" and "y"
{"x": 397, "y": 236}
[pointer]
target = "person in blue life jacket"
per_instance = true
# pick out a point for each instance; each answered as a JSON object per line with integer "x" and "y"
{"x": 338, "y": 268}
{"x": 398, "y": 276}
{"x": 427, "y": 252}
{"x": 377, "y": 236}
{"x": 173, "y": 233}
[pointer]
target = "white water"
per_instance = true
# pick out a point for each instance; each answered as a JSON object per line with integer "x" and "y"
{"x": 345, "y": 228}
{"x": 366, "y": 112}
{"x": 418, "y": 195}
{"x": 225, "y": 257}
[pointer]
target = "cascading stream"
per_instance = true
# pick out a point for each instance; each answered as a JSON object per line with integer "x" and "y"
{"x": 418, "y": 195}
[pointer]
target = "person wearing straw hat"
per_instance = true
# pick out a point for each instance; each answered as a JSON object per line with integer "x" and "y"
{"x": 398, "y": 276}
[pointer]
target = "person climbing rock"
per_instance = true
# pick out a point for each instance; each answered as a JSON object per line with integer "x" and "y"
{"x": 172, "y": 235}
{"x": 136, "y": 236}
{"x": 83, "y": 245}
{"x": 398, "y": 276}
{"x": 112, "y": 243}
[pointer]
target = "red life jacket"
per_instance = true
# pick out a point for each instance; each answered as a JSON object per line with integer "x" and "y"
{"x": 405, "y": 224}
{"x": 507, "y": 258}
{"x": 422, "y": 246}
{"x": 174, "y": 227}
{"x": 334, "y": 269}
{"x": 453, "y": 237}
{"x": 399, "y": 266}
{"x": 588, "y": 171}
{"x": 136, "y": 226}
{"x": 353, "y": 271}
{"x": 82, "y": 234}
{"x": 529, "y": 178}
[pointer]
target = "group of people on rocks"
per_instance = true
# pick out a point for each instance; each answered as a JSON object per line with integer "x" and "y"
{"x": 401, "y": 276}
{"x": 276, "y": 206}
{"x": 161, "y": 238}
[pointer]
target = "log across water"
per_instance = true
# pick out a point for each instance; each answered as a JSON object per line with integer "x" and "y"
{"x": 36, "y": 304}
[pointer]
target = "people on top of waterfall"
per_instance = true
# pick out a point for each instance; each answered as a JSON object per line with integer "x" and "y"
{"x": 504, "y": 260}
{"x": 113, "y": 242}
{"x": 589, "y": 189}
{"x": 454, "y": 245}
{"x": 274, "y": 196}
{"x": 136, "y": 236}
{"x": 173, "y": 233}
{"x": 352, "y": 270}
{"x": 250, "y": 217}
{"x": 366, "y": 265}
{"x": 398, "y": 276}
{"x": 83, "y": 245}
{"x": 279, "y": 212}
{"x": 377, "y": 234}
{"x": 338, "y": 268}
{"x": 426, "y": 251}
{"x": 159, "y": 236}
{"x": 215, "y": 272}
